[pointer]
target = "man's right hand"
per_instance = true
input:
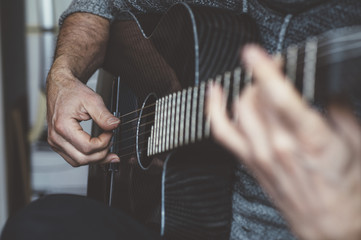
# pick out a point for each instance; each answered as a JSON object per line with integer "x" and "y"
{"x": 69, "y": 101}
{"x": 80, "y": 50}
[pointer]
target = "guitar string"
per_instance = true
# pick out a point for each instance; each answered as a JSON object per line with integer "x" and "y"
{"x": 133, "y": 145}
{"x": 134, "y": 119}
{"x": 134, "y": 128}
{"x": 143, "y": 116}
{"x": 137, "y": 110}
{"x": 133, "y": 152}
{"x": 130, "y": 153}
{"x": 130, "y": 138}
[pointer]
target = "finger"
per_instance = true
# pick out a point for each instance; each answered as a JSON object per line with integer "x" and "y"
{"x": 270, "y": 79}
{"x": 280, "y": 97}
{"x": 278, "y": 60}
{"x": 346, "y": 124}
{"x": 253, "y": 127}
{"x": 100, "y": 114}
{"x": 65, "y": 156}
{"x": 222, "y": 128}
{"x": 77, "y": 158}
{"x": 71, "y": 130}
{"x": 255, "y": 131}
{"x": 110, "y": 158}
{"x": 285, "y": 167}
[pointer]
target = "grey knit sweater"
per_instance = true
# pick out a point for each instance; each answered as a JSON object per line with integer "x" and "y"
{"x": 281, "y": 23}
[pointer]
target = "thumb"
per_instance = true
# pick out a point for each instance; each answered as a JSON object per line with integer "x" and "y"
{"x": 101, "y": 115}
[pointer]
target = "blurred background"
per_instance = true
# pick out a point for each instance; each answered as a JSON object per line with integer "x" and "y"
{"x": 29, "y": 168}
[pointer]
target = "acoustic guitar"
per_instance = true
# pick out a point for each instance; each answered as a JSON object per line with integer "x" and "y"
{"x": 172, "y": 177}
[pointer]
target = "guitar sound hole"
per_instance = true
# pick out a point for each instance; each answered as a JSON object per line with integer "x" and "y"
{"x": 144, "y": 125}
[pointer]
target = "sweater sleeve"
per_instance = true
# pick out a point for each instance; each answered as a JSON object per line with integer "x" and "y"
{"x": 98, "y": 7}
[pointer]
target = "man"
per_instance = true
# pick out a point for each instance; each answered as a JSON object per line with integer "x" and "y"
{"x": 81, "y": 49}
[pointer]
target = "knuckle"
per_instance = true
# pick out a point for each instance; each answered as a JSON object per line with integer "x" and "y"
{"x": 75, "y": 164}
{"x": 86, "y": 149}
{"x": 263, "y": 161}
{"x": 261, "y": 158}
{"x": 94, "y": 98}
{"x": 282, "y": 147}
{"x": 52, "y": 139}
{"x": 50, "y": 142}
{"x": 218, "y": 132}
{"x": 97, "y": 98}
{"x": 51, "y": 134}
{"x": 79, "y": 161}
{"x": 59, "y": 127}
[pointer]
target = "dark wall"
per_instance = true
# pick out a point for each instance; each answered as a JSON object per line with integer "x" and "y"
{"x": 12, "y": 19}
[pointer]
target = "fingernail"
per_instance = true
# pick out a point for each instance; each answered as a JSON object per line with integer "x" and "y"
{"x": 112, "y": 121}
{"x": 114, "y": 160}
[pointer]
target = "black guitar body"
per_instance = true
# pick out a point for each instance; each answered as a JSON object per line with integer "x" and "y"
{"x": 185, "y": 193}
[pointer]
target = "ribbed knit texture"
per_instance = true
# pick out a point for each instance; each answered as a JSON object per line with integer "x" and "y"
{"x": 101, "y": 8}
{"x": 310, "y": 17}
{"x": 254, "y": 216}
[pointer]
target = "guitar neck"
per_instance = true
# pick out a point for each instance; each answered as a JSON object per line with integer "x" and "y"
{"x": 179, "y": 120}
{"x": 180, "y": 117}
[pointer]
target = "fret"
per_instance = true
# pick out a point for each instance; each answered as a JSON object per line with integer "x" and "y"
{"x": 207, "y": 124}
{"x": 164, "y": 122}
{"x": 156, "y": 124}
{"x": 236, "y": 83}
{"x": 188, "y": 115}
{"x": 226, "y": 86}
{"x": 169, "y": 100}
{"x": 174, "y": 95}
{"x": 218, "y": 80}
{"x": 194, "y": 114}
{"x": 309, "y": 70}
{"x": 181, "y": 125}
{"x": 177, "y": 117}
{"x": 161, "y": 125}
{"x": 291, "y": 63}
{"x": 149, "y": 145}
{"x": 202, "y": 90}
{"x": 150, "y": 142}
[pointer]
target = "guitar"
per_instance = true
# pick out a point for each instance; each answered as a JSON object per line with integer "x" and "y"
{"x": 172, "y": 177}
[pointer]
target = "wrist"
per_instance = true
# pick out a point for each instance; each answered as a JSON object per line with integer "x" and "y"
{"x": 60, "y": 74}
{"x": 65, "y": 67}
{"x": 81, "y": 45}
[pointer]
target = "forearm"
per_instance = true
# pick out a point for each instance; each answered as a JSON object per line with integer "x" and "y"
{"x": 81, "y": 45}
{"x": 80, "y": 51}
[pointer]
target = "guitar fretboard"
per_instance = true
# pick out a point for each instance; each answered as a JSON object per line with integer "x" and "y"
{"x": 179, "y": 120}
{"x": 180, "y": 117}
